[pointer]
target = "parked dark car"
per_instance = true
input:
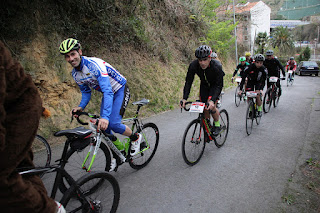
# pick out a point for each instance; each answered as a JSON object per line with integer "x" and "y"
{"x": 307, "y": 68}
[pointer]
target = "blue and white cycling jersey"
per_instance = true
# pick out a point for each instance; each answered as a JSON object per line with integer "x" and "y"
{"x": 97, "y": 74}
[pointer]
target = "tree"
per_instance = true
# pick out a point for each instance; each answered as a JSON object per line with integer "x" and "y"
{"x": 283, "y": 39}
{"x": 261, "y": 41}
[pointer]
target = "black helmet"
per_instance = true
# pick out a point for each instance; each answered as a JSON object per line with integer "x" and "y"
{"x": 269, "y": 52}
{"x": 203, "y": 51}
{"x": 259, "y": 57}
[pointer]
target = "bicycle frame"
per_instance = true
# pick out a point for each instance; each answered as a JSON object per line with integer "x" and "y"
{"x": 59, "y": 169}
{"x": 106, "y": 139}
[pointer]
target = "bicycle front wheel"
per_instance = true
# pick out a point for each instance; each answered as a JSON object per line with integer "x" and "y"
{"x": 193, "y": 143}
{"x": 148, "y": 146}
{"x": 276, "y": 97}
{"x": 237, "y": 97}
{"x": 249, "y": 117}
{"x": 267, "y": 100}
{"x": 78, "y": 163}
{"x": 42, "y": 151}
{"x": 81, "y": 198}
{"x": 224, "y": 122}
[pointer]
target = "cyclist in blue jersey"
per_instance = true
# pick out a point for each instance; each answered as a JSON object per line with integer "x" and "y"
{"x": 94, "y": 73}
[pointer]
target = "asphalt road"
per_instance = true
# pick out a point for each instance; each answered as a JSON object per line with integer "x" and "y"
{"x": 247, "y": 174}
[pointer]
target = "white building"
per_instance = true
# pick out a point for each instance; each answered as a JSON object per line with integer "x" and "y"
{"x": 253, "y": 18}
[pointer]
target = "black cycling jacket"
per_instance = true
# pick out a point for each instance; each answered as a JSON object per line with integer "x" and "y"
{"x": 212, "y": 78}
{"x": 256, "y": 76}
{"x": 273, "y": 65}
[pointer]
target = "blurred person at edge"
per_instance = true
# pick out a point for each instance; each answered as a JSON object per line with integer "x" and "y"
{"x": 20, "y": 111}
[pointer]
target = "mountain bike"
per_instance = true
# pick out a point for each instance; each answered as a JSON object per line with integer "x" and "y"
{"x": 238, "y": 98}
{"x": 290, "y": 79}
{"x": 39, "y": 145}
{"x": 272, "y": 94}
{"x": 199, "y": 132}
{"x": 252, "y": 111}
{"x": 93, "y": 192}
{"x": 98, "y": 151}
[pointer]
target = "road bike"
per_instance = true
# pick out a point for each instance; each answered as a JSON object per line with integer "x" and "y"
{"x": 238, "y": 98}
{"x": 93, "y": 192}
{"x": 272, "y": 94}
{"x": 252, "y": 111}
{"x": 39, "y": 145}
{"x": 99, "y": 150}
{"x": 199, "y": 132}
{"x": 290, "y": 78}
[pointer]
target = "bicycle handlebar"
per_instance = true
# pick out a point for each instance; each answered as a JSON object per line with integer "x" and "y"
{"x": 79, "y": 113}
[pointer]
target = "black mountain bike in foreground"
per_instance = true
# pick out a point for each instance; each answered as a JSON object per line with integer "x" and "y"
{"x": 252, "y": 111}
{"x": 199, "y": 132}
{"x": 91, "y": 193}
{"x": 41, "y": 147}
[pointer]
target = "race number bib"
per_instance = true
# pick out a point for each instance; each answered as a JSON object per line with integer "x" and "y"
{"x": 197, "y": 107}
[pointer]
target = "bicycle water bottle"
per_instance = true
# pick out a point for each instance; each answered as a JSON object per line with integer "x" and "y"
{"x": 117, "y": 142}
{"x": 126, "y": 144}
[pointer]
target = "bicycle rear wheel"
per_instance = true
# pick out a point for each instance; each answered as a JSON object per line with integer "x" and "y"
{"x": 148, "y": 146}
{"x": 193, "y": 143}
{"x": 267, "y": 100}
{"x": 224, "y": 122}
{"x": 105, "y": 198}
{"x": 76, "y": 158}
{"x": 237, "y": 97}
{"x": 249, "y": 117}
{"x": 42, "y": 152}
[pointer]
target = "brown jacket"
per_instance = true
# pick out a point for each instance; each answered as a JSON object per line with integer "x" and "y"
{"x": 20, "y": 110}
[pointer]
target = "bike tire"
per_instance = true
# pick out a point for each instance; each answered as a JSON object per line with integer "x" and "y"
{"x": 41, "y": 158}
{"x": 224, "y": 122}
{"x": 276, "y": 97}
{"x": 237, "y": 97}
{"x": 267, "y": 100}
{"x": 258, "y": 118}
{"x": 249, "y": 119}
{"x": 192, "y": 150}
{"x": 75, "y": 159}
{"x": 105, "y": 198}
{"x": 148, "y": 146}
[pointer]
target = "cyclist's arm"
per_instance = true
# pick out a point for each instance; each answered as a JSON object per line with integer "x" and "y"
{"x": 107, "y": 99}
{"x": 85, "y": 95}
{"x": 188, "y": 83}
{"x": 243, "y": 80}
{"x": 282, "y": 68}
{"x": 216, "y": 87}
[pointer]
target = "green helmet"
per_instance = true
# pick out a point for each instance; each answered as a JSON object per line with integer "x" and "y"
{"x": 242, "y": 59}
{"x": 69, "y": 45}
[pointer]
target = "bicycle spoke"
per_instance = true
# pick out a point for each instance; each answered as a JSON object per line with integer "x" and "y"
{"x": 193, "y": 143}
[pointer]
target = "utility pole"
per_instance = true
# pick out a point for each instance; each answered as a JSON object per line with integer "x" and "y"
{"x": 235, "y": 31}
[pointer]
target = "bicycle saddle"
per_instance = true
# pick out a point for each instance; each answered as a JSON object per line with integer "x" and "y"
{"x": 141, "y": 102}
{"x": 79, "y": 132}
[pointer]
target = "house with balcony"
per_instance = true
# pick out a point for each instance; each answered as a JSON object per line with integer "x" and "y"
{"x": 252, "y": 18}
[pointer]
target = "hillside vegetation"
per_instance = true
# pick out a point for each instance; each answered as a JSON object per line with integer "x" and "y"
{"x": 150, "y": 42}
